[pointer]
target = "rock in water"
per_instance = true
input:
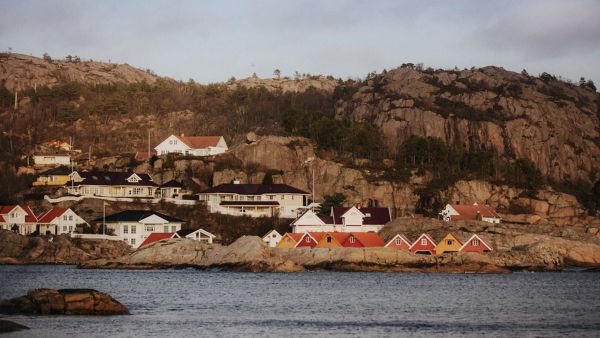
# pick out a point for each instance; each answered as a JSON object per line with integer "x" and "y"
{"x": 63, "y": 301}
{"x": 8, "y": 326}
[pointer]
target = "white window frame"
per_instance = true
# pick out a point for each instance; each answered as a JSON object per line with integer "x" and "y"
{"x": 423, "y": 241}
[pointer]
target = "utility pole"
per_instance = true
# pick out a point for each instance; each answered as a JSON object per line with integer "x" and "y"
{"x": 103, "y": 217}
{"x": 149, "y": 155}
{"x": 16, "y": 99}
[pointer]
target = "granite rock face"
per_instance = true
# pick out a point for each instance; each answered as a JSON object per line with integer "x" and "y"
{"x": 63, "y": 302}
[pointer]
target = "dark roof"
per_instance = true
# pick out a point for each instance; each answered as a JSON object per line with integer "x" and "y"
{"x": 274, "y": 203}
{"x": 62, "y": 170}
{"x": 112, "y": 178}
{"x": 377, "y": 215}
{"x": 253, "y": 189}
{"x": 172, "y": 184}
{"x": 135, "y": 216}
{"x": 184, "y": 232}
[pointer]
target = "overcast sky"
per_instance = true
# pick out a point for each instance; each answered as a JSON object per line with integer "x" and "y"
{"x": 212, "y": 41}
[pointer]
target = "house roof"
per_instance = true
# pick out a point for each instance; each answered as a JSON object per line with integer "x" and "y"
{"x": 368, "y": 239}
{"x": 340, "y": 237}
{"x": 157, "y": 236}
{"x": 184, "y": 232}
{"x": 294, "y": 235}
{"x": 62, "y": 170}
{"x": 135, "y": 216}
{"x": 50, "y": 215}
{"x": 112, "y": 178}
{"x": 6, "y": 209}
{"x": 469, "y": 211}
{"x": 200, "y": 142}
{"x": 402, "y": 237}
{"x": 253, "y": 189}
{"x": 144, "y": 155}
{"x": 374, "y": 216}
{"x": 171, "y": 184}
{"x": 249, "y": 203}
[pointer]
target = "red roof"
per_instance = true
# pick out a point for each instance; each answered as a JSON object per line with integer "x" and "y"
{"x": 200, "y": 142}
{"x": 471, "y": 211}
{"x": 368, "y": 239}
{"x": 6, "y": 209}
{"x": 50, "y": 215}
{"x": 157, "y": 236}
{"x": 295, "y": 236}
{"x": 144, "y": 155}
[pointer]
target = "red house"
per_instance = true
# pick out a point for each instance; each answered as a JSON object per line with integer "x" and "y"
{"x": 363, "y": 240}
{"x": 310, "y": 239}
{"x": 423, "y": 245}
{"x": 475, "y": 244}
{"x": 399, "y": 242}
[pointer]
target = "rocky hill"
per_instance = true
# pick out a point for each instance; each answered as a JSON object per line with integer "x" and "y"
{"x": 285, "y": 84}
{"x": 551, "y": 122}
{"x": 18, "y": 72}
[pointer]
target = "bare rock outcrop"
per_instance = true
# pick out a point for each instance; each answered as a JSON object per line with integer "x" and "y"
{"x": 63, "y": 302}
{"x": 18, "y": 71}
{"x": 285, "y": 84}
{"x": 555, "y": 124}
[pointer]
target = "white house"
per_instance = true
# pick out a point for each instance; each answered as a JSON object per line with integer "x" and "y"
{"x": 351, "y": 219}
{"x": 51, "y": 159}
{"x": 199, "y": 235}
{"x": 255, "y": 200}
{"x": 171, "y": 189}
{"x": 475, "y": 211}
{"x": 58, "y": 221}
{"x": 272, "y": 238}
{"x": 192, "y": 145}
{"x": 111, "y": 184}
{"x": 17, "y": 218}
{"x": 133, "y": 226}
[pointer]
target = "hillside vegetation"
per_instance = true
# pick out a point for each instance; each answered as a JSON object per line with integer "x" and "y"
{"x": 487, "y": 124}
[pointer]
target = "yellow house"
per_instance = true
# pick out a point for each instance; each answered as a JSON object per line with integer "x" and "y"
{"x": 53, "y": 177}
{"x": 289, "y": 240}
{"x": 448, "y": 244}
{"x": 332, "y": 239}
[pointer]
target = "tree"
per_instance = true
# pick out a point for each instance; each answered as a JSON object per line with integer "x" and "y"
{"x": 331, "y": 201}
{"x": 47, "y": 57}
{"x": 277, "y": 73}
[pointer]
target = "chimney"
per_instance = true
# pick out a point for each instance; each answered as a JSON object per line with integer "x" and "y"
{"x": 236, "y": 181}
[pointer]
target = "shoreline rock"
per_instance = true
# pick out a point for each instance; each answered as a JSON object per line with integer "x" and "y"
{"x": 7, "y": 326}
{"x": 63, "y": 302}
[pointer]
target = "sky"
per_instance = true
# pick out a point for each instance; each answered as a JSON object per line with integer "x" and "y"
{"x": 210, "y": 41}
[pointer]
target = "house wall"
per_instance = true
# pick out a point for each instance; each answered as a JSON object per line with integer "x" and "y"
{"x": 335, "y": 228}
{"x": 429, "y": 246}
{"x": 134, "y": 233}
{"x": 51, "y": 160}
{"x": 470, "y": 247}
{"x": 286, "y": 243}
{"x": 349, "y": 243}
{"x": 172, "y": 144}
{"x": 51, "y": 180}
{"x": 352, "y": 217}
{"x": 272, "y": 239}
{"x": 443, "y": 245}
{"x": 112, "y": 191}
{"x": 328, "y": 241}
{"x": 402, "y": 246}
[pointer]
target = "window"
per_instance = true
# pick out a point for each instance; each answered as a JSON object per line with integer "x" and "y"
{"x": 328, "y": 239}
{"x": 423, "y": 241}
{"x": 274, "y": 235}
{"x": 292, "y": 197}
{"x": 282, "y": 197}
{"x": 133, "y": 229}
{"x": 258, "y": 198}
{"x": 398, "y": 241}
{"x": 70, "y": 228}
{"x": 64, "y": 228}
{"x": 173, "y": 228}
{"x": 125, "y": 229}
{"x": 71, "y": 218}
{"x": 308, "y": 239}
{"x": 166, "y": 227}
{"x": 171, "y": 142}
{"x": 149, "y": 228}
{"x": 352, "y": 239}
{"x": 449, "y": 242}
{"x": 133, "y": 241}
{"x": 271, "y": 197}
{"x": 64, "y": 217}
{"x": 475, "y": 242}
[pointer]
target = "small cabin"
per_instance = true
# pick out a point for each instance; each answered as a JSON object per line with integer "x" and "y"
{"x": 289, "y": 240}
{"x": 476, "y": 244}
{"x": 448, "y": 244}
{"x": 399, "y": 242}
{"x": 424, "y": 245}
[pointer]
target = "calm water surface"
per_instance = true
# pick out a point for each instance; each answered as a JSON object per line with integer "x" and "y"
{"x": 199, "y": 303}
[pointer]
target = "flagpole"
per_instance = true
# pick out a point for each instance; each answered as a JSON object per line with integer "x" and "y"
{"x": 103, "y": 217}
